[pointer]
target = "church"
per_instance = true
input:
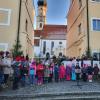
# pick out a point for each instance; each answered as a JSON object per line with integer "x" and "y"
{"x": 48, "y": 38}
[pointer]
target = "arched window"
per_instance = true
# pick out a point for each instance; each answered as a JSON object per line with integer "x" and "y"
{"x": 40, "y": 25}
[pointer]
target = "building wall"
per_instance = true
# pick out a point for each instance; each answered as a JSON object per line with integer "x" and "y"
{"x": 57, "y": 48}
{"x": 26, "y": 35}
{"x": 77, "y": 41}
{"x": 94, "y": 35}
{"x": 8, "y": 33}
{"x": 38, "y": 50}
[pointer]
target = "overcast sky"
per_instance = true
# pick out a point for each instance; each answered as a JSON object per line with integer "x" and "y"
{"x": 56, "y": 11}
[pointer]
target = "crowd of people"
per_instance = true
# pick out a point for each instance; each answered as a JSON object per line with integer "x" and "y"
{"x": 25, "y": 71}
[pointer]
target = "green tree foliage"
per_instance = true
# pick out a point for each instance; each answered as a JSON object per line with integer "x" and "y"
{"x": 16, "y": 51}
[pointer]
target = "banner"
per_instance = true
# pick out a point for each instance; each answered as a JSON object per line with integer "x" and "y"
{"x": 87, "y": 63}
{"x": 96, "y": 62}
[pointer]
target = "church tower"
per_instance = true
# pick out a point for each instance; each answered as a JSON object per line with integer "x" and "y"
{"x": 41, "y": 17}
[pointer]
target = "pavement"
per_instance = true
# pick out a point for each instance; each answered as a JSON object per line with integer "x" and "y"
{"x": 60, "y": 87}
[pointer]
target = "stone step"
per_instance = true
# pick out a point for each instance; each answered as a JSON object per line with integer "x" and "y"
{"x": 54, "y": 96}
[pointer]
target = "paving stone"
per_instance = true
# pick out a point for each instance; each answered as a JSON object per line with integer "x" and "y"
{"x": 55, "y": 91}
{"x": 67, "y": 86}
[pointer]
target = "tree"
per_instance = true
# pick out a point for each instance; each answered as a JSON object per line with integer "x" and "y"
{"x": 16, "y": 51}
{"x": 88, "y": 53}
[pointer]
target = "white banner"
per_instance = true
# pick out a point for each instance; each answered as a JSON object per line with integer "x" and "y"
{"x": 96, "y": 62}
{"x": 3, "y": 47}
{"x": 86, "y": 63}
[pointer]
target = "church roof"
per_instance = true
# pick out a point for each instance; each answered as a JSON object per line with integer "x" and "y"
{"x": 37, "y": 33}
{"x": 53, "y": 32}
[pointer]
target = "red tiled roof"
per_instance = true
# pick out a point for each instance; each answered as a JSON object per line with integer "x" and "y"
{"x": 52, "y": 32}
{"x": 37, "y": 33}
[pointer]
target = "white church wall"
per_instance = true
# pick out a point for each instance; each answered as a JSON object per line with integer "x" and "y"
{"x": 57, "y": 47}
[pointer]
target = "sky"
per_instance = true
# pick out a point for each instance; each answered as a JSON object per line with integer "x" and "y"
{"x": 56, "y": 11}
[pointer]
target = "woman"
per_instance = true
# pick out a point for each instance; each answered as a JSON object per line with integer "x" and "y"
{"x": 84, "y": 74}
{"x": 68, "y": 73}
{"x": 90, "y": 73}
{"x": 96, "y": 71}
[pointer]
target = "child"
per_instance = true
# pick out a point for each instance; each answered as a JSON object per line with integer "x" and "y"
{"x": 51, "y": 72}
{"x": 73, "y": 74}
{"x": 32, "y": 72}
{"x": 46, "y": 73}
{"x": 62, "y": 72}
{"x": 39, "y": 72}
{"x": 56, "y": 72}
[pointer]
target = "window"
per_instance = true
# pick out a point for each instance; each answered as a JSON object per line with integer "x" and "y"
{"x": 44, "y": 47}
{"x": 52, "y": 46}
{"x": 5, "y": 16}
{"x": 79, "y": 28}
{"x": 26, "y": 25}
{"x": 40, "y": 25}
{"x": 80, "y": 4}
{"x": 36, "y": 42}
{"x": 96, "y": 24}
{"x": 60, "y": 42}
{"x": 96, "y": 0}
{"x": 26, "y": 1}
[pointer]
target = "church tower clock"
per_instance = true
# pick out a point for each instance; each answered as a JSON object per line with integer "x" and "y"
{"x": 41, "y": 17}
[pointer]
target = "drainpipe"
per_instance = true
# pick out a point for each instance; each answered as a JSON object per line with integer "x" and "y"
{"x": 18, "y": 32}
{"x": 88, "y": 34}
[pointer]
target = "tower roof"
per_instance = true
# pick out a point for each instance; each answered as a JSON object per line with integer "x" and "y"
{"x": 42, "y": 3}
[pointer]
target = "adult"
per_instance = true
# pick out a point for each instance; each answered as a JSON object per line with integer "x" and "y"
{"x": 96, "y": 71}
{"x": 7, "y": 61}
{"x": 1, "y": 73}
{"x": 68, "y": 73}
{"x": 84, "y": 73}
{"x": 16, "y": 74}
{"x": 90, "y": 73}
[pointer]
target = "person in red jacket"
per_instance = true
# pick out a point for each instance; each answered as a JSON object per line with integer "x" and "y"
{"x": 62, "y": 72}
{"x": 39, "y": 72}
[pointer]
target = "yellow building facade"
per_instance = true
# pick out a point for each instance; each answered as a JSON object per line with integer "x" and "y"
{"x": 16, "y": 16}
{"x": 83, "y": 27}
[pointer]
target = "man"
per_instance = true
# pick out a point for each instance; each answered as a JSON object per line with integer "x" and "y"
{"x": 7, "y": 69}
